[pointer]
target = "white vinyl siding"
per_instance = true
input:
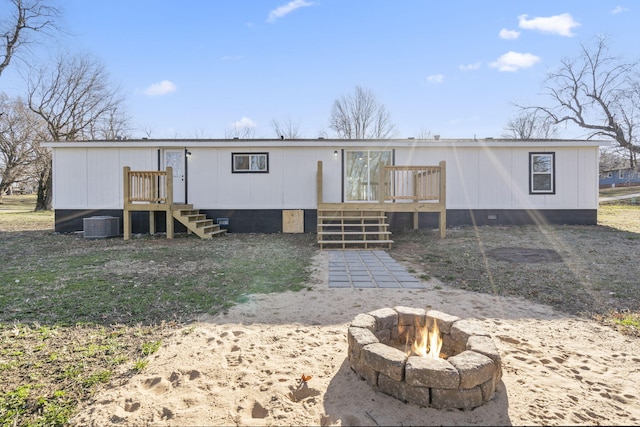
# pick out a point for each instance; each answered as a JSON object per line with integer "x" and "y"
{"x": 89, "y": 176}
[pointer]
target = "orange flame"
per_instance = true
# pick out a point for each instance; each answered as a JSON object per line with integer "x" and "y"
{"x": 427, "y": 343}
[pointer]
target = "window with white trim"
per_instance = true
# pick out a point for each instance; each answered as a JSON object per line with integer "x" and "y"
{"x": 542, "y": 168}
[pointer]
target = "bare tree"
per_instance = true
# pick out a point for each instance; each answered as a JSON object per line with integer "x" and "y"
{"x": 288, "y": 129}
{"x": 147, "y": 130}
{"x": 597, "y": 92}
{"x": 360, "y": 116}
{"x": 240, "y": 130}
{"x": 322, "y": 133}
{"x": 424, "y": 134}
{"x": 114, "y": 124}
{"x": 530, "y": 125}
{"x": 43, "y": 172}
{"x": 29, "y": 18}
{"x": 76, "y": 100}
{"x": 20, "y": 131}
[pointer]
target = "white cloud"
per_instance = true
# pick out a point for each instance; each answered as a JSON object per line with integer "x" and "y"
{"x": 470, "y": 67}
{"x": 162, "y": 88}
{"x": 435, "y": 78}
{"x": 509, "y": 34}
{"x": 558, "y": 24}
{"x": 513, "y": 61}
{"x": 281, "y": 11}
{"x": 619, "y": 9}
{"x": 231, "y": 58}
{"x": 243, "y": 123}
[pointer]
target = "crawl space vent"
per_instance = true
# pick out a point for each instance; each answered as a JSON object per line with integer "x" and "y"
{"x": 101, "y": 227}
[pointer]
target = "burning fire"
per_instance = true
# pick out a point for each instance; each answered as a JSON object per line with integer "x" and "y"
{"x": 427, "y": 343}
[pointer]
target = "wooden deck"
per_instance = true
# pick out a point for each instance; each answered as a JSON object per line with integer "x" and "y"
{"x": 413, "y": 189}
{"x": 152, "y": 191}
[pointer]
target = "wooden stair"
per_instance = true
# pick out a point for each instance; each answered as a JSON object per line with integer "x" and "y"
{"x": 197, "y": 223}
{"x": 353, "y": 229}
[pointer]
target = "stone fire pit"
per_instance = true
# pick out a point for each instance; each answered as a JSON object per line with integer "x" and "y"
{"x": 464, "y": 376}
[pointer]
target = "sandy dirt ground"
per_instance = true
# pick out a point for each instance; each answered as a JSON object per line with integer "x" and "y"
{"x": 243, "y": 367}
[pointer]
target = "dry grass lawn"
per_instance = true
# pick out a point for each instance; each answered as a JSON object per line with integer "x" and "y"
{"x": 76, "y": 314}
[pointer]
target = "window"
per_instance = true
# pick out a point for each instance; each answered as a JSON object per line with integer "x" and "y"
{"x": 250, "y": 162}
{"x": 542, "y": 170}
{"x": 621, "y": 174}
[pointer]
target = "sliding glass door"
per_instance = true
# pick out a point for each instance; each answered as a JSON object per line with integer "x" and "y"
{"x": 362, "y": 172}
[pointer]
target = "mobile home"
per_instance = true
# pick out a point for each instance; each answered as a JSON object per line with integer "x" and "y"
{"x": 273, "y": 186}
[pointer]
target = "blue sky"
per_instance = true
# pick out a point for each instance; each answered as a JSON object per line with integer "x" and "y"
{"x": 453, "y": 68}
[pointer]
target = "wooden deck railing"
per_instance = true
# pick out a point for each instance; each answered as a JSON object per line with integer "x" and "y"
{"x": 148, "y": 191}
{"x": 413, "y": 183}
{"x": 148, "y": 186}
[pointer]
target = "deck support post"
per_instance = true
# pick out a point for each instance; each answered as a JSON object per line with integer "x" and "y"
{"x": 152, "y": 222}
{"x": 443, "y": 199}
{"x": 169, "y": 196}
{"x": 126, "y": 224}
{"x": 126, "y": 217}
{"x": 319, "y": 185}
{"x": 169, "y": 224}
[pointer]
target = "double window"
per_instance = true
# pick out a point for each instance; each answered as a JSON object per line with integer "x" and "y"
{"x": 542, "y": 173}
{"x": 250, "y": 162}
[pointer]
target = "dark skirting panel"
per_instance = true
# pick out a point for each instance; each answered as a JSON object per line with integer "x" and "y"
{"x": 71, "y": 220}
{"x": 248, "y": 221}
{"x": 522, "y": 217}
{"x": 270, "y": 220}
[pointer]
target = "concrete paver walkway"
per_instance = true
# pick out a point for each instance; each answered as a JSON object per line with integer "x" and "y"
{"x": 368, "y": 269}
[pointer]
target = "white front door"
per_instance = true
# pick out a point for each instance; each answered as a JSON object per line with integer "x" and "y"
{"x": 176, "y": 158}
